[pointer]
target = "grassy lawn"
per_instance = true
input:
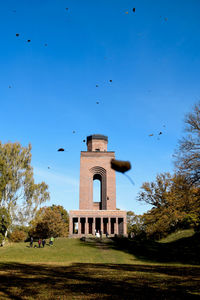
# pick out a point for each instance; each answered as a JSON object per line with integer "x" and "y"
{"x": 94, "y": 269}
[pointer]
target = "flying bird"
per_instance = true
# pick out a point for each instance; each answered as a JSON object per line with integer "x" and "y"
{"x": 28, "y": 41}
{"x": 120, "y": 165}
{"x": 97, "y": 85}
{"x": 67, "y": 8}
{"x": 134, "y": 9}
{"x": 61, "y": 150}
{"x": 110, "y": 80}
{"x": 73, "y": 131}
{"x": 97, "y": 102}
{"x": 48, "y": 167}
{"x": 45, "y": 45}
{"x": 17, "y": 34}
{"x": 160, "y": 133}
{"x": 83, "y": 141}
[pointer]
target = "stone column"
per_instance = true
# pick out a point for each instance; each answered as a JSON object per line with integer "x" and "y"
{"x": 109, "y": 226}
{"x": 116, "y": 226}
{"x": 102, "y": 225}
{"x": 79, "y": 225}
{"x": 93, "y": 226}
{"x": 70, "y": 226}
{"x": 125, "y": 226}
{"x": 86, "y": 225}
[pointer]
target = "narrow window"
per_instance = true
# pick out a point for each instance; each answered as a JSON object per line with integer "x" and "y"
{"x": 96, "y": 190}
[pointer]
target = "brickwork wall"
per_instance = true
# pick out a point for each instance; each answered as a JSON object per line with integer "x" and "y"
{"x": 88, "y": 161}
{"x": 97, "y": 144}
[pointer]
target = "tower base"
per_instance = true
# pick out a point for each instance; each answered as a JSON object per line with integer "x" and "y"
{"x": 92, "y": 223}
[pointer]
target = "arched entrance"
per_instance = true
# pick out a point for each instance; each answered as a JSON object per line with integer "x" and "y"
{"x": 99, "y": 173}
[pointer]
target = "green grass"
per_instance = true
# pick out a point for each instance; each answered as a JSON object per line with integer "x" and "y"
{"x": 64, "y": 251}
{"x": 107, "y": 269}
{"x": 178, "y": 235}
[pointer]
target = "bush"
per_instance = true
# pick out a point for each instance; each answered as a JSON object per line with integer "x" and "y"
{"x": 1, "y": 239}
{"x": 18, "y": 236}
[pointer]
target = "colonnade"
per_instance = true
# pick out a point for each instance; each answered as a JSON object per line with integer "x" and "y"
{"x": 81, "y": 225}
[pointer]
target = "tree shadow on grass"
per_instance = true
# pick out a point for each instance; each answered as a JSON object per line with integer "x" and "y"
{"x": 98, "y": 281}
{"x": 184, "y": 251}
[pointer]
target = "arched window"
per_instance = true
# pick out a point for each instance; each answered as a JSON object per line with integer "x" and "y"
{"x": 97, "y": 188}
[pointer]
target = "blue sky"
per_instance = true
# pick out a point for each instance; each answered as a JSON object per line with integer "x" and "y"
{"x": 152, "y": 57}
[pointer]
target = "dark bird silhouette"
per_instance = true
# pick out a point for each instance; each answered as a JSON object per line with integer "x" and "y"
{"x": 120, "y": 165}
{"x": 97, "y": 85}
{"x": 97, "y": 102}
{"x": 134, "y": 9}
{"x": 67, "y": 8}
{"x": 110, "y": 80}
{"x": 28, "y": 41}
{"x": 17, "y": 34}
{"x": 9, "y": 86}
{"x": 45, "y": 45}
{"x": 160, "y": 133}
{"x": 61, "y": 150}
{"x": 48, "y": 167}
{"x": 73, "y": 131}
{"x": 83, "y": 141}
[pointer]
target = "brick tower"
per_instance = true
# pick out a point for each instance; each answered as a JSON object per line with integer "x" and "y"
{"x": 99, "y": 216}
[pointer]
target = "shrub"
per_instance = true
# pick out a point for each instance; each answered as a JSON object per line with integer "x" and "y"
{"x": 1, "y": 239}
{"x": 18, "y": 236}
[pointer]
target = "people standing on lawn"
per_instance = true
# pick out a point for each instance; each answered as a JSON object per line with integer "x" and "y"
{"x": 43, "y": 242}
{"x": 51, "y": 241}
{"x": 39, "y": 242}
{"x": 31, "y": 242}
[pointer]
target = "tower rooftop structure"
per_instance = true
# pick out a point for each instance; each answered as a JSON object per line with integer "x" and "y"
{"x": 97, "y": 142}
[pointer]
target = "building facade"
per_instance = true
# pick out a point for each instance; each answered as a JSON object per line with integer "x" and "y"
{"x": 99, "y": 216}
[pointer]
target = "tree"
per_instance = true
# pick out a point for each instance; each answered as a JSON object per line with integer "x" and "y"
{"x": 134, "y": 223}
{"x": 64, "y": 215}
{"x": 188, "y": 154}
{"x": 155, "y": 193}
{"x": 18, "y": 191}
{"x": 175, "y": 204}
{"x": 50, "y": 221}
{"x": 4, "y": 223}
